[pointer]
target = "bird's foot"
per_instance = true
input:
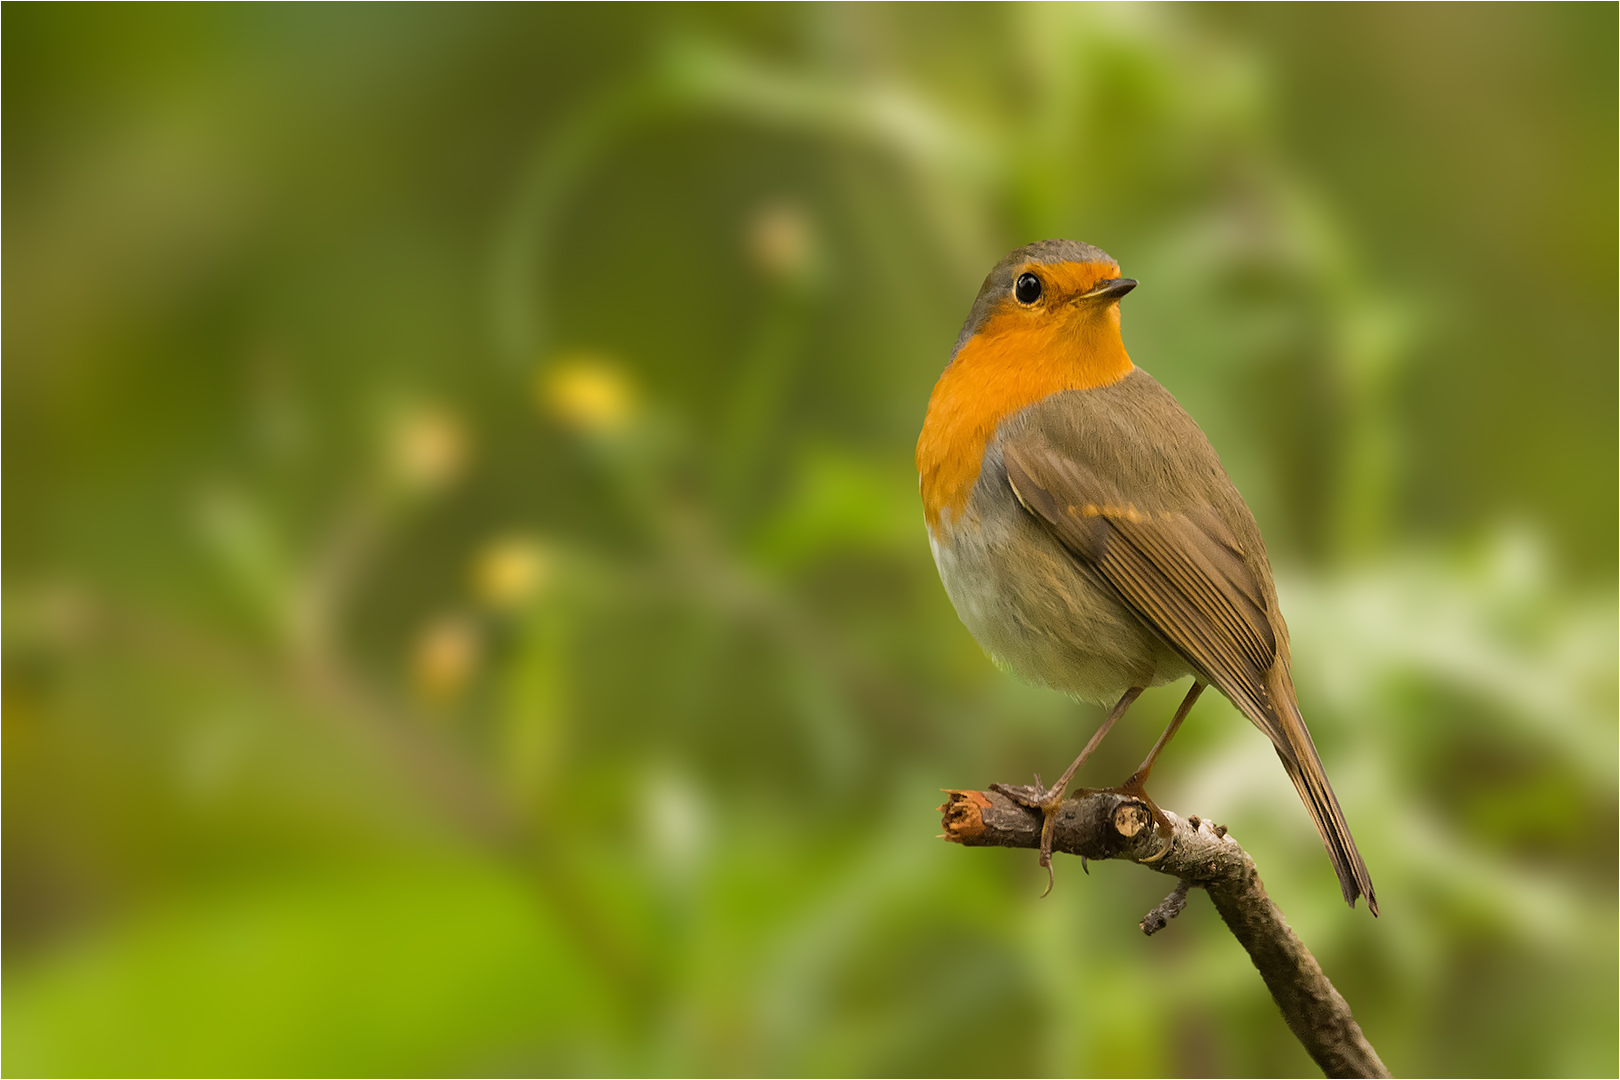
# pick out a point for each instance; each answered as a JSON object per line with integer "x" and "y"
{"x": 1048, "y": 800}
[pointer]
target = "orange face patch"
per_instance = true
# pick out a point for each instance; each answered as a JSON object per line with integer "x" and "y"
{"x": 1021, "y": 355}
{"x": 1065, "y": 281}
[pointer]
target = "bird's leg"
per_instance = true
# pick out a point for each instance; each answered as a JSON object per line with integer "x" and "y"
{"x": 1135, "y": 785}
{"x": 1048, "y": 799}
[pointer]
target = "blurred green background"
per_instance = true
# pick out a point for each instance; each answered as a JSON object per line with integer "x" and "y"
{"x": 466, "y": 602}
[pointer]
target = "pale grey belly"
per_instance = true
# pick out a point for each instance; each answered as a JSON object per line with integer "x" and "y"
{"x": 1041, "y": 616}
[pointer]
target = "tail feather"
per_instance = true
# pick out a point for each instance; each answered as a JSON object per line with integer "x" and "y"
{"x": 1304, "y": 768}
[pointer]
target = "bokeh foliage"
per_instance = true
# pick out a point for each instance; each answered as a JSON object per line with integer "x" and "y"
{"x": 466, "y": 603}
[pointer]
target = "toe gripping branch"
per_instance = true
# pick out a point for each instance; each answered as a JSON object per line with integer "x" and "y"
{"x": 1106, "y": 824}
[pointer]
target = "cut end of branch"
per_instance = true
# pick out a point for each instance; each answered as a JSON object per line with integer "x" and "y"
{"x": 1131, "y": 818}
{"x": 964, "y": 814}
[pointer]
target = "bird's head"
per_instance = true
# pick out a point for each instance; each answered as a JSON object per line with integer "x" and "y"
{"x": 1053, "y": 293}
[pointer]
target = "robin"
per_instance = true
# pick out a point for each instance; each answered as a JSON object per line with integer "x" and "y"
{"x": 1088, "y": 535}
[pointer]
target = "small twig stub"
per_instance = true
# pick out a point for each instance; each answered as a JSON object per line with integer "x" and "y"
{"x": 1168, "y": 908}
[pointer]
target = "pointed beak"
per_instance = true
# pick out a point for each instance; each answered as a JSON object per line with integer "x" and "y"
{"x": 1111, "y": 289}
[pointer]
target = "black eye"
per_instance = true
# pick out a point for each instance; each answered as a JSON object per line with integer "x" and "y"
{"x": 1027, "y": 289}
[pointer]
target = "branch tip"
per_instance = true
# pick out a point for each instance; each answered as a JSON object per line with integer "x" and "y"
{"x": 963, "y": 814}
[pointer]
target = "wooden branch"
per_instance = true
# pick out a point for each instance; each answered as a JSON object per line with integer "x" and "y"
{"x": 1107, "y": 825}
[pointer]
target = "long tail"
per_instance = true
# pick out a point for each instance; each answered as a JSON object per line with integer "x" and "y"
{"x": 1304, "y": 767}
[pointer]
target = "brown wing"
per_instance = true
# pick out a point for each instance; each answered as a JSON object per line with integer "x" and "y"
{"x": 1184, "y": 574}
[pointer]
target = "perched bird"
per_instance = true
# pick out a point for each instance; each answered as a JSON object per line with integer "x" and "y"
{"x": 1088, "y": 535}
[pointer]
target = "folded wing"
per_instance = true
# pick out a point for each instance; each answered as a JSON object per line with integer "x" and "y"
{"x": 1185, "y": 575}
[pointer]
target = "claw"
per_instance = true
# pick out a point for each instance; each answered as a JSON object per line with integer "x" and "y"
{"x": 1048, "y": 801}
{"x": 1161, "y": 853}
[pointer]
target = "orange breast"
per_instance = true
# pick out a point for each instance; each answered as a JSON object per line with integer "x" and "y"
{"x": 1012, "y": 363}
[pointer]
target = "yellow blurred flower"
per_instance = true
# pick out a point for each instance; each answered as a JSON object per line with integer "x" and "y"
{"x": 445, "y": 657}
{"x": 589, "y": 393}
{"x": 509, "y": 571}
{"x": 427, "y": 447}
{"x": 780, "y": 239}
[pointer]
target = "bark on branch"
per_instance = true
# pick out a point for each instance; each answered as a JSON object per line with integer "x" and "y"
{"x": 1107, "y": 825}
